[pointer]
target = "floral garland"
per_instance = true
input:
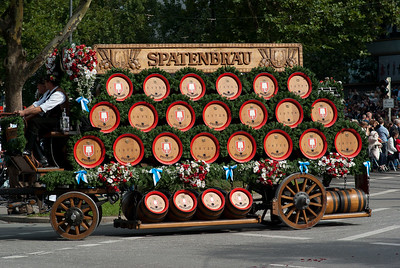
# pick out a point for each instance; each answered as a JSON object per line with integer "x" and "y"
{"x": 193, "y": 172}
{"x": 80, "y": 64}
{"x": 335, "y": 166}
{"x": 51, "y": 65}
{"x": 269, "y": 172}
{"x": 114, "y": 175}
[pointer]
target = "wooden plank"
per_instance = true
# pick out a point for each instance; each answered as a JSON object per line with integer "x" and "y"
{"x": 347, "y": 215}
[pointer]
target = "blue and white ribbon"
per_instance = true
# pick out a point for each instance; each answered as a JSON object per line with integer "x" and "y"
{"x": 156, "y": 174}
{"x": 303, "y": 167}
{"x": 81, "y": 176}
{"x": 367, "y": 164}
{"x": 229, "y": 171}
{"x": 83, "y": 101}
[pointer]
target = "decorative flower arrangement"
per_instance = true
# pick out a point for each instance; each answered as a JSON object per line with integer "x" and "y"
{"x": 334, "y": 166}
{"x": 51, "y": 65}
{"x": 269, "y": 172}
{"x": 80, "y": 64}
{"x": 330, "y": 82}
{"x": 193, "y": 172}
{"x": 113, "y": 175}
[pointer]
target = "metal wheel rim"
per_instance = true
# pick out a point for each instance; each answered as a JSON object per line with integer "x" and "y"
{"x": 74, "y": 215}
{"x": 301, "y": 200}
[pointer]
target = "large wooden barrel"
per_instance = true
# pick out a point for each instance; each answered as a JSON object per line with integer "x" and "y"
{"x": 128, "y": 149}
{"x": 265, "y": 85}
{"x": 352, "y": 200}
{"x": 348, "y": 142}
{"x": 153, "y": 207}
{"x": 278, "y": 145}
{"x": 300, "y": 84}
{"x": 167, "y": 148}
{"x": 143, "y": 116}
{"x": 324, "y": 111}
{"x": 89, "y": 151}
{"x": 217, "y": 115}
{"x": 238, "y": 203}
{"x": 105, "y": 116}
{"x": 253, "y": 113}
{"x": 129, "y": 204}
{"x": 119, "y": 86}
{"x": 229, "y": 86}
{"x": 210, "y": 204}
{"x": 241, "y": 146}
{"x": 193, "y": 86}
{"x": 332, "y": 202}
{"x": 180, "y": 115}
{"x": 156, "y": 86}
{"x": 289, "y": 112}
{"x": 313, "y": 143}
{"x": 205, "y": 146}
{"x": 182, "y": 206}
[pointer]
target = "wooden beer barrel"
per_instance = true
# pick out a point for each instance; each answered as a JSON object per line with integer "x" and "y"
{"x": 332, "y": 202}
{"x": 229, "y": 86}
{"x": 324, "y": 111}
{"x": 217, "y": 115}
{"x": 205, "y": 146}
{"x": 193, "y": 86}
{"x": 167, "y": 148}
{"x": 89, "y": 151}
{"x": 289, "y": 112}
{"x": 265, "y": 85}
{"x": 119, "y": 86}
{"x": 153, "y": 207}
{"x": 348, "y": 143}
{"x": 156, "y": 86}
{"x": 105, "y": 116}
{"x": 241, "y": 146}
{"x": 278, "y": 145}
{"x": 313, "y": 143}
{"x": 128, "y": 149}
{"x": 300, "y": 84}
{"x": 352, "y": 200}
{"x": 180, "y": 115}
{"x": 253, "y": 113}
{"x": 183, "y": 206}
{"x": 210, "y": 205}
{"x": 238, "y": 203}
{"x": 129, "y": 204}
{"x": 143, "y": 116}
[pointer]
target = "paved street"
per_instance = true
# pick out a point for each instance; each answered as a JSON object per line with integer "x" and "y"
{"x": 358, "y": 242}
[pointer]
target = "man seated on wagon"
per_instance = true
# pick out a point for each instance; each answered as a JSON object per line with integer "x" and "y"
{"x": 44, "y": 115}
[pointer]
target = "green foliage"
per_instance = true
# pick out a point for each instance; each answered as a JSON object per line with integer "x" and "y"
{"x": 15, "y": 145}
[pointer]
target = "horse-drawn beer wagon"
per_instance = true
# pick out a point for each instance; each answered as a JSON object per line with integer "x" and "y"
{"x": 198, "y": 135}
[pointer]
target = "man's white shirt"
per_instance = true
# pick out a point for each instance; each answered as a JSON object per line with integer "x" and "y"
{"x": 48, "y": 101}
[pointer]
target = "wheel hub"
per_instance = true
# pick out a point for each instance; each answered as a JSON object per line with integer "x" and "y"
{"x": 301, "y": 200}
{"x": 74, "y": 216}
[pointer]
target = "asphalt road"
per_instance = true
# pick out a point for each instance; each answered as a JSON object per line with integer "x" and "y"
{"x": 357, "y": 242}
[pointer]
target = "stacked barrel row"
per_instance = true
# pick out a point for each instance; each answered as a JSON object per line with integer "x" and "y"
{"x": 345, "y": 200}
{"x": 184, "y": 205}
{"x": 167, "y": 147}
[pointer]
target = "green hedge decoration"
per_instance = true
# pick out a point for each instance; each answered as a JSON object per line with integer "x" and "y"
{"x": 16, "y": 145}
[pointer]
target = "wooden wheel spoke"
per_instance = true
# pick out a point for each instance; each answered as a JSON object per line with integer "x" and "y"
{"x": 304, "y": 185}
{"x": 315, "y": 204}
{"x": 311, "y": 188}
{"x": 86, "y": 210}
{"x": 71, "y": 200}
{"x": 61, "y": 223}
{"x": 297, "y": 217}
{"x": 312, "y": 212}
{"x": 88, "y": 218}
{"x": 84, "y": 226}
{"x": 290, "y": 190}
{"x": 290, "y": 212}
{"x": 287, "y": 206}
{"x": 64, "y": 206}
{"x": 79, "y": 203}
{"x": 315, "y": 195}
{"x": 77, "y": 232}
{"x": 287, "y": 197}
{"x": 305, "y": 215}
{"x": 68, "y": 229}
{"x": 60, "y": 214}
{"x": 297, "y": 185}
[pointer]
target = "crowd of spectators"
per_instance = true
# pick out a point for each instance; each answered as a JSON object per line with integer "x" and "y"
{"x": 382, "y": 131}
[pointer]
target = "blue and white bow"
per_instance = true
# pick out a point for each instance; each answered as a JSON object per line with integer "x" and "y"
{"x": 156, "y": 174}
{"x": 81, "y": 176}
{"x": 303, "y": 167}
{"x": 229, "y": 171}
{"x": 367, "y": 164}
{"x": 83, "y": 101}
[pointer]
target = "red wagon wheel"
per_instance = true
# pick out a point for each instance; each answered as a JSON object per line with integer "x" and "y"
{"x": 74, "y": 215}
{"x": 301, "y": 200}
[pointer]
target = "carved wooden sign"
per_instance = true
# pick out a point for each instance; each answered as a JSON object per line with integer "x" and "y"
{"x": 205, "y": 57}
